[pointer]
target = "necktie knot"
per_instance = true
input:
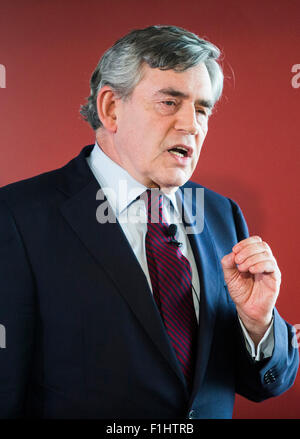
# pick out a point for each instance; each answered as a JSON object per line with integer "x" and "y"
{"x": 154, "y": 204}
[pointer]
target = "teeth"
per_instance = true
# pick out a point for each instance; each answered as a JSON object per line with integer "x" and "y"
{"x": 176, "y": 150}
{"x": 177, "y": 153}
{"x": 181, "y": 147}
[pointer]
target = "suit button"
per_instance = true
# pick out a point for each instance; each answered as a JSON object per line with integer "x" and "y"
{"x": 192, "y": 414}
{"x": 269, "y": 376}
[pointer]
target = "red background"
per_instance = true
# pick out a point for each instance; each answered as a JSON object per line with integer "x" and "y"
{"x": 251, "y": 154}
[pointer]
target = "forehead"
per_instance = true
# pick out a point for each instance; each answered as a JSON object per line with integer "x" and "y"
{"x": 194, "y": 82}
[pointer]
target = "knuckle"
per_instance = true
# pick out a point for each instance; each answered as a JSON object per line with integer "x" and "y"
{"x": 265, "y": 245}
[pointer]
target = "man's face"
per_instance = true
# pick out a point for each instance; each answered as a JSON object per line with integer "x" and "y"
{"x": 162, "y": 125}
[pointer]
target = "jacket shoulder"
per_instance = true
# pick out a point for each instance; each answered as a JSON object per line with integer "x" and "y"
{"x": 212, "y": 199}
{"x": 69, "y": 178}
{"x": 223, "y": 217}
{"x": 31, "y": 189}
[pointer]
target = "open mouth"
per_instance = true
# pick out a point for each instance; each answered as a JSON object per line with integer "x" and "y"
{"x": 179, "y": 151}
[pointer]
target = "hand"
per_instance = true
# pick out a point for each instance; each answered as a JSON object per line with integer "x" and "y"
{"x": 253, "y": 280}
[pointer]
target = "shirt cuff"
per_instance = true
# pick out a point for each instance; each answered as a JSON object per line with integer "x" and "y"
{"x": 265, "y": 346}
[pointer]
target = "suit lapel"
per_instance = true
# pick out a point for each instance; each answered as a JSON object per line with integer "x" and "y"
{"x": 210, "y": 284}
{"x": 107, "y": 243}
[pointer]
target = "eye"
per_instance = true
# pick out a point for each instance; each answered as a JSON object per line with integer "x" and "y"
{"x": 169, "y": 103}
{"x": 201, "y": 111}
{"x": 167, "y": 107}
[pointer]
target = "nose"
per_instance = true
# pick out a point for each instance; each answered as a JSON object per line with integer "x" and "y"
{"x": 186, "y": 120}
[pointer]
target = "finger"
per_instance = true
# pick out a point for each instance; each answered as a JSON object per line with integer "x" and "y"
{"x": 228, "y": 261}
{"x": 264, "y": 267}
{"x": 257, "y": 259}
{"x": 252, "y": 249}
{"x": 229, "y": 267}
{"x": 247, "y": 241}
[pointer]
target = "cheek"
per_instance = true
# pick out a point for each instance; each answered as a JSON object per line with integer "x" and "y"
{"x": 199, "y": 146}
{"x": 202, "y": 135}
{"x": 200, "y": 141}
{"x": 204, "y": 127}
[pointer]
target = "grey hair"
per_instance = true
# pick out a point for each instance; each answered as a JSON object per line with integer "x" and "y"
{"x": 163, "y": 47}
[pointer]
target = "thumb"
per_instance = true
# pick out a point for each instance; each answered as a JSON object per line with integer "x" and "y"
{"x": 228, "y": 261}
{"x": 228, "y": 265}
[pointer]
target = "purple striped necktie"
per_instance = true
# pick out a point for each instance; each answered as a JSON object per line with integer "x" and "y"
{"x": 171, "y": 279}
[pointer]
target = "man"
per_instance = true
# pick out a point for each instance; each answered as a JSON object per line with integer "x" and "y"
{"x": 108, "y": 315}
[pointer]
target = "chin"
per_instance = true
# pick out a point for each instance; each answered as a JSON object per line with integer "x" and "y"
{"x": 179, "y": 180}
{"x": 171, "y": 181}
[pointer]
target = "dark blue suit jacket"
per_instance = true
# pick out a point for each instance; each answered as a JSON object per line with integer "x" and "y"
{"x": 84, "y": 338}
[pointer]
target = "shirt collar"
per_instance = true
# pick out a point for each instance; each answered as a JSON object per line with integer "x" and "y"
{"x": 119, "y": 187}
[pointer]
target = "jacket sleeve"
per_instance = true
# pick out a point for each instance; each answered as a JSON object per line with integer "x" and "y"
{"x": 259, "y": 380}
{"x": 16, "y": 317}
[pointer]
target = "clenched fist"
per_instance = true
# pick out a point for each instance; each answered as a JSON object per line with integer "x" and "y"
{"x": 253, "y": 280}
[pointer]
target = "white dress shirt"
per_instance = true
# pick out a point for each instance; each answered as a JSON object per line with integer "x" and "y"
{"x": 121, "y": 191}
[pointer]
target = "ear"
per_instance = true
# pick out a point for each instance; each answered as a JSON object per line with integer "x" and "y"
{"x": 106, "y": 106}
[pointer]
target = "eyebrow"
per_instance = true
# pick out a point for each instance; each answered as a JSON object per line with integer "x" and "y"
{"x": 179, "y": 94}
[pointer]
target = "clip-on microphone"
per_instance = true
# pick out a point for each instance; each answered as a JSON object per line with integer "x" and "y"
{"x": 171, "y": 232}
